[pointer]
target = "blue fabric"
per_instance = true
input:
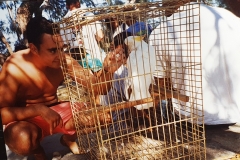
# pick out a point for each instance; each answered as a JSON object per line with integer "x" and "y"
{"x": 91, "y": 63}
{"x": 163, "y": 105}
{"x": 140, "y": 29}
{"x": 117, "y": 94}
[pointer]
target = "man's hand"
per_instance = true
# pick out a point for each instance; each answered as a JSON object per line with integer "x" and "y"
{"x": 114, "y": 59}
{"x": 99, "y": 35}
{"x": 51, "y": 117}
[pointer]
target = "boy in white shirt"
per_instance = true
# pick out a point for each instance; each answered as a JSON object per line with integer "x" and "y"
{"x": 91, "y": 33}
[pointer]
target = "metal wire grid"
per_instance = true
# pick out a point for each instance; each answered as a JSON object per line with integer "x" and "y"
{"x": 162, "y": 131}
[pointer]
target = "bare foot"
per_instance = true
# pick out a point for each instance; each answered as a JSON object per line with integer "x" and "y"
{"x": 70, "y": 142}
{"x": 56, "y": 156}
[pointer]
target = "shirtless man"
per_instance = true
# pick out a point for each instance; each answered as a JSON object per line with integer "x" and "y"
{"x": 28, "y": 85}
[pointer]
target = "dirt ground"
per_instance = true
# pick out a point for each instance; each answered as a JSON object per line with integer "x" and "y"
{"x": 222, "y": 143}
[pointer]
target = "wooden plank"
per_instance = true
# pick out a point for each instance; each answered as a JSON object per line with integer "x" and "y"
{"x": 155, "y": 92}
{"x": 168, "y": 93}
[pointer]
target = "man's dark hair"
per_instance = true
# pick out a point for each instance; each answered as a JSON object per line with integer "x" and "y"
{"x": 20, "y": 47}
{"x": 108, "y": 22}
{"x": 36, "y": 27}
{"x": 119, "y": 40}
{"x": 69, "y": 2}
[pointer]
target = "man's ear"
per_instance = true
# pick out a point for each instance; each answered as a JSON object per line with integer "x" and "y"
{"x": 67, "y": 6}
{"x": 33, "y": 48}
{"x": 78, "y": 4}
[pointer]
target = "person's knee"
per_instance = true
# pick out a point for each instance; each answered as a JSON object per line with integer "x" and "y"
{"x": 22, "y": 137}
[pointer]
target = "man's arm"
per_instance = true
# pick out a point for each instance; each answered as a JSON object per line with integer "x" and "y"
{"x": 99, "y": 35}
{"x": 11, "y": 78}
{"x": 9, "y": 85}
{"x": 98, "y": 31}
{"x": 99, "y": 83}
{"x": 11, "y": 114}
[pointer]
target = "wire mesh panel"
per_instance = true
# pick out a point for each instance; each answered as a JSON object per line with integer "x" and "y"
{"x": 153, "y": 109}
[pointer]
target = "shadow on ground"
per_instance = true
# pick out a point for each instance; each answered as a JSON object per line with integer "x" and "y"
{"x": 222, "y": 143}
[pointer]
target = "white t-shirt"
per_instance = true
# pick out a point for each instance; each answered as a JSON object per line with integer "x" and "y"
{"x": 86, "y": 36}
{"x": 220, "y": 55}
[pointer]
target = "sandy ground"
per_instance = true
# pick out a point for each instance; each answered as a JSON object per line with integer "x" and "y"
{"x": 223, "y": 143}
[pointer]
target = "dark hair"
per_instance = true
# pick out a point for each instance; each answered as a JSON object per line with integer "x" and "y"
{"x": 119, "y": 40}
{"x": 20, "y": 47}
{"x": 109, "y": 22}
{"x": 69, "y": 2}
{"x": 36, "y": 27}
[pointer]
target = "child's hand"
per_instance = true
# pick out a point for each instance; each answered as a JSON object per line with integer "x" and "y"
{"x": 114, "y": 59}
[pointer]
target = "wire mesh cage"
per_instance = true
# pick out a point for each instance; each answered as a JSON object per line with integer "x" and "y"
{"x": 153, "y": 109}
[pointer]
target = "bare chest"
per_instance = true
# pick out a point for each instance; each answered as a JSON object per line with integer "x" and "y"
{"x": 40, "y": 87}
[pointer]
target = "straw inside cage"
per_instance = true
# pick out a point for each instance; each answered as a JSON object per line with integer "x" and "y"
{"x": 114, "y": 128}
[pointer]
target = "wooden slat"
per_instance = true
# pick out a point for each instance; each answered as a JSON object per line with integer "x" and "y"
{"x": 155, "y": 92}
{"x": 168, "y": 93}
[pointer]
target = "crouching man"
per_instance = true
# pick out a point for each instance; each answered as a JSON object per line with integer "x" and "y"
{"x": 28, "y": 86}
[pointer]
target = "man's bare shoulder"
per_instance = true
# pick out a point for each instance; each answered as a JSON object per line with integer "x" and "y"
{"x": 11, "y": 77}
{"x": 17, "y": 64}
{"x": 19, "y": 67}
